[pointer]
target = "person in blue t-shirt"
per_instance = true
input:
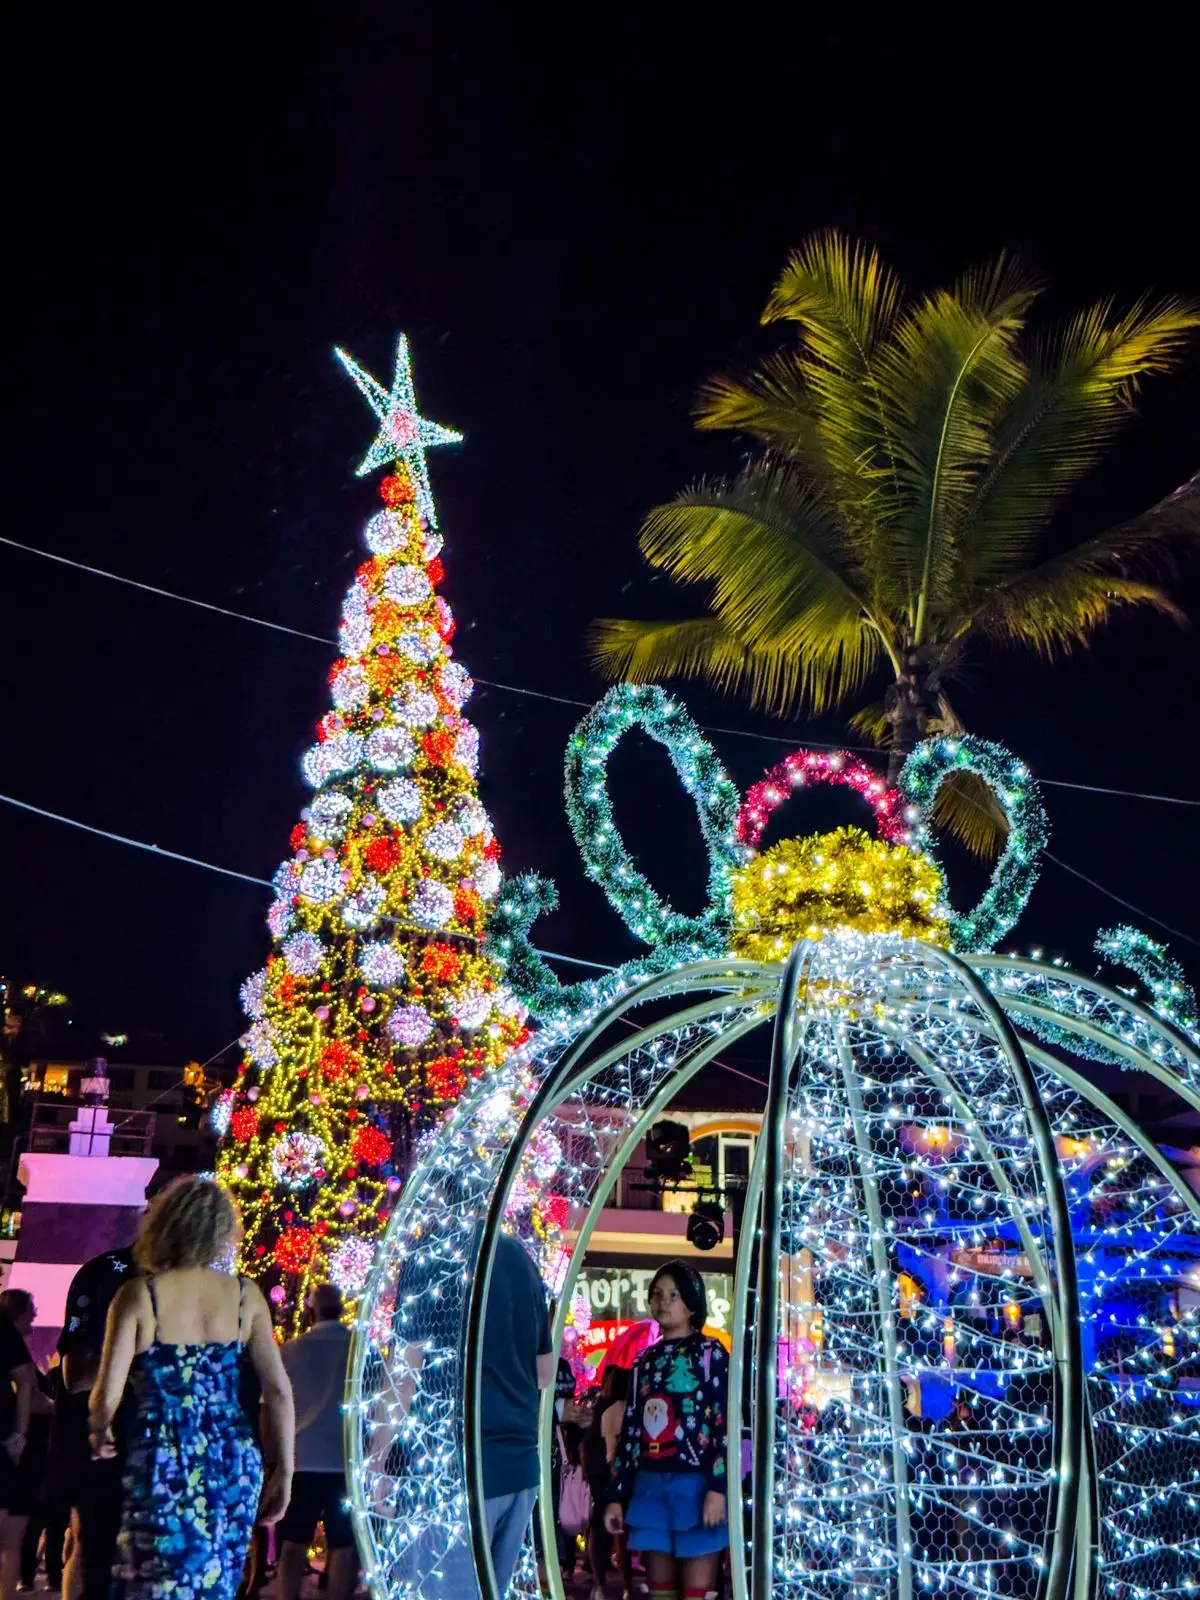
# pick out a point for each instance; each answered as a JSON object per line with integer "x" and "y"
{"x": 518, "y": 1363}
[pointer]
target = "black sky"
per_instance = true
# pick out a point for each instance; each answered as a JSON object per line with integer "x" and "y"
{"x": 576, "y": 218}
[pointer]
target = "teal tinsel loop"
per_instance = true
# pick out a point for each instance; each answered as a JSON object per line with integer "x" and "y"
{"x": 589, "y": 810}
{"x": 674, "y": 939}
{"x": 1010, "y": 780}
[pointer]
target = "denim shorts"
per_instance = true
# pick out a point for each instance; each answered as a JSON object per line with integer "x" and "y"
{"x": 666, "y": 1515}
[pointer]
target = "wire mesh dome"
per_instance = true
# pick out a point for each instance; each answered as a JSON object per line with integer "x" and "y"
{"x": 931, "y": 1184}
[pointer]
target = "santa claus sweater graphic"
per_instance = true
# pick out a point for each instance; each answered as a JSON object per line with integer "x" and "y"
{"x": 675, "y": 1414}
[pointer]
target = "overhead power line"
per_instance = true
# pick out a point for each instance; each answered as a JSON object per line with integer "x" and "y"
{"x": 599, "y": 966}
{"x": 535, "y": 694}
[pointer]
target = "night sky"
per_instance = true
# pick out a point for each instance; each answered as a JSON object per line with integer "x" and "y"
{"x": 576, "y": 223}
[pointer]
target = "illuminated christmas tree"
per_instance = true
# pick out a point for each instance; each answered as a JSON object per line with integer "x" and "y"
{"x": 376, "y": 1006}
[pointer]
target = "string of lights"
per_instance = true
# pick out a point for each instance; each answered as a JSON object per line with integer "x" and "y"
{"x": 536, "y": 694}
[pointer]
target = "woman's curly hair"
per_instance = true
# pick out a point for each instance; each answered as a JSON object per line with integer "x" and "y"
{"x": 191, "y": 1223}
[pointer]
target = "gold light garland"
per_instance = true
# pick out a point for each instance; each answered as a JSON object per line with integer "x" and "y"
{"x": 810, "y": 886}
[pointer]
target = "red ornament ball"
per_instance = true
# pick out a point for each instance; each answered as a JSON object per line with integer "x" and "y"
{"x": 243, "y": 1124}
{"x": 445, "y": 1079}
{"x": 371, "y": 1146}
{"x": 396, "y": 490}
{"x": 467, "y": 905}
{"x": 441, "y": 961}
{"x": 435, "y": 570}
{"x": 439, "y": 747}
{"x": 294, "y": 1249}
{"x": 381, "y": 855}
{"x": 337, "y": 1059}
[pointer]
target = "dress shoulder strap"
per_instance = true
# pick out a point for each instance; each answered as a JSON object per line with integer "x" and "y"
{"x": 241, "y": 1283}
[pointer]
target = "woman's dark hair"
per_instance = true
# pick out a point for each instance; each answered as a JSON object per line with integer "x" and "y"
{"x": 616, "y": 1380}
{"x": 691, "y": 1288}
{"x": 15, "y": 1303}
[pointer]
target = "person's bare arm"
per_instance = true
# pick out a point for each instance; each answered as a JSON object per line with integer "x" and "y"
{"x": 547, "y": 1366}
{"x": 120, "y": 1345}
{"x": 278, "y": 1408}
{"x": 24, "y": 1380}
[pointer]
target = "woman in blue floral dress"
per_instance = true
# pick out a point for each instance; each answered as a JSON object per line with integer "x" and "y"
{"x": 181, "y": 1337}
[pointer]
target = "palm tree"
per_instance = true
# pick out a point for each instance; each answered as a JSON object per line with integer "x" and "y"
{"x": 915, "y": 452}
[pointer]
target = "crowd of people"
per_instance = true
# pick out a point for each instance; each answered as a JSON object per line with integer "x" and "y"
{"x": 172, "y": 1436}
{"x": 172, "y": 1441}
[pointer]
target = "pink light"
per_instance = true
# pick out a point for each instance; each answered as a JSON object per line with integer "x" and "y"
{"x": 838, "y": 768}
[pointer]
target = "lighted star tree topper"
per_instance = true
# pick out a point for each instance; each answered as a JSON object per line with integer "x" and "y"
{"x": 376, "y": 1006}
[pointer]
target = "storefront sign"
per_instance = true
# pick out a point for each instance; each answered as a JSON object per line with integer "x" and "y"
{"x": 618, "y": 1298}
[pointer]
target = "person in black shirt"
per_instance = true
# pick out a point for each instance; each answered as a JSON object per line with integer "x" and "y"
{"x": 19, "y": 1398}
{"x": 46, "y": 1516}
{"x": 92, "y": 1488}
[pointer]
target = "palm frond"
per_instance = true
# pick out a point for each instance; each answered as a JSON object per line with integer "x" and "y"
{"x": 1078, "y": 394}
{"x": 952, "y": 367}
{"x": 1147, "y": 542}
{"x": 872, "y": 722}
{"x": 841, "y": 297}
{"x": 841, "y": 302}
{"x": 967, "y": 809}
{"x": 768, "y": 543}
{"x": 775, "y": 677}
{"x": 772, "y": 402}
{"x": 1057, "y": 607}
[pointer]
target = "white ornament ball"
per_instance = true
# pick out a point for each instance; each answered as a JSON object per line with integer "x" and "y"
{"x": 466, "y": 747}
{"x": 415, "y": 707}
{"x": 444, "y": 842}
{"x": 350, "y": 1264}
{"x": 390, "y": 749}
{"x": 380, "y": 963}
{"x": 387, "y": 532}
{"x": 471, "y": 817}
{"x": 400, "y": 801}
{"x": 329, "y": 814}
{"x": 488, "y": 878}
{"x": 254, "y": 994}
{"x": 456, "y": 683}
{"x": 407, "y": 586}
{"x": 321, "y": 881}
{"x": 420, "y": 645}
{"x": 471, "y": 1008}
{"x": 350, "y": 688}
{"x": 410, "y": 1025}
{"x": 303, "y": 953}
{"x": 432, "y": 905}
{"x": 259, "y": 1045}
{"x": 363, "y": 907}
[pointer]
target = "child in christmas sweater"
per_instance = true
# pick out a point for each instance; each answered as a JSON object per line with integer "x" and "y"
{"x": 669, "y": 1487}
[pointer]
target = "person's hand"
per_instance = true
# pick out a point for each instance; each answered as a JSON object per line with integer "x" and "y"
{"x": 614, "y": 1519}
{"x": 15, "y": 1445}
{"x": 277, "y": 1491}
{"x": 104, "y": 1446}
{"x": 714, "y": 1509}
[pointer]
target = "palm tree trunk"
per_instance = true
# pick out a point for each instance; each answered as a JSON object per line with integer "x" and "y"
{"x": 909, "y": 701}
